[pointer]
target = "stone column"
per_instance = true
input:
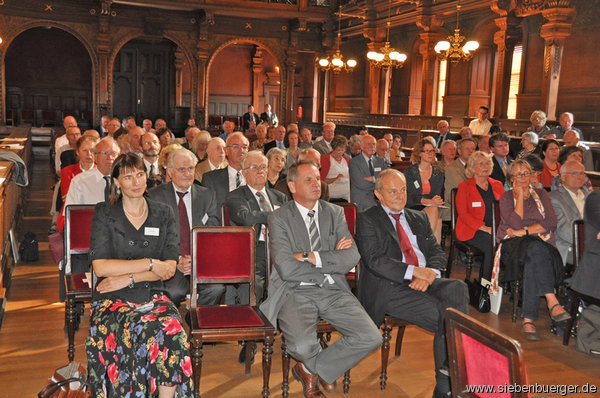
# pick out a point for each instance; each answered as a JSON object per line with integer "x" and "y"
{"x": 179, "y": 63}
{"x": 374, "y": 81}
{"x": 429, "y": 38}
{"x": 199, "y": 75}
{"x": 257, "y": 69}
{"x": 505, "y": 39}
{"x": 290, "y": 114}
{"x": 103, "y": 47}
{"x": 554, "y": 32}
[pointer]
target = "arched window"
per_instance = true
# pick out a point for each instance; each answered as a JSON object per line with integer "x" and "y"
{"x": 515, "y": 79}
{"x": 441, "y": 88}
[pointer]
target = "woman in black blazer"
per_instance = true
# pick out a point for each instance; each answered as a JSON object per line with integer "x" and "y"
{"x": 424, "y": 183}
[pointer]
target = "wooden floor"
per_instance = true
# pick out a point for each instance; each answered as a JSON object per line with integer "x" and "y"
{"x": 33, "y": 343}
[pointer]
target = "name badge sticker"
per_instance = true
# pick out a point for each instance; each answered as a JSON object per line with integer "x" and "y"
{"x": 417, "y": 184}
{"x": 205, "y": 218}
{"x": 476, "y": 204}
{"x": 377, "y": 169}
{"x": 151, "y": 231}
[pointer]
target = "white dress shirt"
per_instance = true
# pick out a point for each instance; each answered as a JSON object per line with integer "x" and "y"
{"x": 304, "y": 213}
{"x": 148, "y": 165}
{"x": 187, "y": 199}
{"x": 86, "y": 188}
{"x": 480, "y": 128}
{"x": 232, "y": 177}
{"x": 264, "y": 194}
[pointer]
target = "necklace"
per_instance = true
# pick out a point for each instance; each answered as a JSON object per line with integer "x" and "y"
{"x": 136, "y": 217}
{"x": 552, "y": 169}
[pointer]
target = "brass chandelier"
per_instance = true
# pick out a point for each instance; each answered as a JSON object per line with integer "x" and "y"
{"x": 387, "y": 57}
{"x": 452, "y": 48}
{"x": 335, "y": 62}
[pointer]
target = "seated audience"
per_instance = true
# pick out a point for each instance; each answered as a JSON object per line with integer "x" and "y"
{"x": 529, "y": 142}
{"x": 151, "y": 150}
{"x": 160, "y": 124}
{"x": 199, "y": 145}
{"x": 335, "y": 170}
{"x": 147, "y": 126}
{"x": 276, "y": 166}
{"x": 572, "y": 139}
{"x": 499, "y": 146}
{"x": 66, "y": 155}
{"x": 382, "y": 151}
{"x": 164, "y": 136}
{"x": 228, "y": 129}
{"x": 215, "y": 152}
{"x": 112, "y": 127}
{"x": 189, "y": 135}
{"x": 163, "y": 159}
{"x": 305, "y": 138}
{"x": 308, "y": 282}
{"x": 481, "y": 125}
{"x": 483, "y": 143}
{"x": 134, "y": 136}
{"x": 131, "y": 315}
{"x": 568, "y": 202}
{"x": 354, "y": 146}
{"x": 466, "y": 132}
{"x": 92, "y": 133}
{"x": 402, "y": 267}
{"x": 475, "y": 205}
{"x": 565, "y": 124}
{"x": 396, "y": 154}
{"x": 587, "y": 274}
{"x": 448, "y": 152}
{"x": 278, "y": 141}
{"x": 261, "y": 138}
{"x": 538, "y": 124}
{"x": 456, "y": 172}
{"x": 526, "y": 231}
{"x": 198, "y": 208}
{"x": 363, "y": 172}
{"x": 444, "y": 128}
{"x": 424, "y": 182}
{"x": 306, "y": 155}
{"x": 550, "y": 152}
{"x": 85, "y": 153}
{"x": 566, "y": 154}
{"x": 537, "y": 166}
{"x": 362, "y": 130}
{"x": 291, "y": 143}
{"x": 327, "y": 134}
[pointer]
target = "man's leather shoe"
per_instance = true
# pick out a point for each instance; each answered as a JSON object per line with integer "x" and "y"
{"x": 242, "y": 357}
{"x": 310, "y": 382}
{"x": 326, "y": 386}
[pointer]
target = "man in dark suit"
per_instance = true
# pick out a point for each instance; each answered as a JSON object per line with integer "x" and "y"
{"x": 194, "y": 206}
{"x": 364, "y": 169}
{"x": 270, "y": 118}
{"x": 445, "y": 134}
{"x": 223, "y": 181}
{"x": 499, "y": 146}
{"x": 248, "y": 117}
{"x": 587, "y": 274}
{"x": 278, "y": 141}
{"x": 312, "y": 251}
{"x": 402, "y": 266}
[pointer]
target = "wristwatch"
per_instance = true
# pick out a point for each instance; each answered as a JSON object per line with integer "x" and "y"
{"x": 527, "y": 230}
{"x": 131, "y": 281}
{"x": 305, "y": 257}
{"x": 151, "y": 265}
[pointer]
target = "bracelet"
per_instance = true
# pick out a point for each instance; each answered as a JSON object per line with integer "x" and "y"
{"x": 131, "y": 281}
{"x": 151, "y": 265}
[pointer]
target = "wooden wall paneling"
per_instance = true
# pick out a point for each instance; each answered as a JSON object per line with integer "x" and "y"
{"x": 416, "y": 73}
{"x": 481, "y": 79}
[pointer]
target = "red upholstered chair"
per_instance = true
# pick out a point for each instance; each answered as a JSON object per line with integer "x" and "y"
{"x": 10, "y": 117}
{"x": 350, "y": 213}
{"x": 481, "y": 356}
{"x": 27, "y": 116}
{"x": 78, "y": 223}
{"x": 48, "y": 118}
{"x": 226, "y": 322}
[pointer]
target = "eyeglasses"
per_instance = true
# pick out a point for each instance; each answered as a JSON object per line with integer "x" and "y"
{"x": 521, "y": 175}
{"x": 428, "y": 151}
{"x": 576, "y": 173}
{"x": 107, "y": 153}
{"x": 182, "y": 170}
{"x": 255, "y": 167}
{"x": 236, "y": 147}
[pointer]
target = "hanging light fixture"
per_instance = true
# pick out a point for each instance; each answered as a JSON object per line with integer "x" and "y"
{"x": 453, "y": 49}
{"x": 387, "y": 57}
{"x": 335, "y": 62}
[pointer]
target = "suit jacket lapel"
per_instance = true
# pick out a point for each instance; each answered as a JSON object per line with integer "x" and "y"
{"x": 387, "y": 224}
{"x": 297, "y": 222}
{"x": 325, "y": 227}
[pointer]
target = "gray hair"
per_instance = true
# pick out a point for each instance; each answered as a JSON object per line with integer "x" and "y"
{"x": 332, "y": 124}
{"x": 274, "y": 151}
{"x": 386, "y": 172}
{"x": 292, "y": 173}
{"x": 445, "y": 143}
{"x": 460, "y": 142}
{"x": 303, "y": 153}
{"x": 180, "y": 152}
{"x": 473, "y": 159}
{"x": 250, "y": 154}
{"x": 531, "y": 137}
{"x": 538, "y": 114}
{"x": 574, "y": 132}
{"x": 355, "y": 139}
{"x": 235, "y": 134}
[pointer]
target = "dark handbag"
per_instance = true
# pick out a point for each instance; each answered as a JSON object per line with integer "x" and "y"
{"x": 57, "y": 248}
{"x": 479, "y": 296}
{"x": 68, "y": 382}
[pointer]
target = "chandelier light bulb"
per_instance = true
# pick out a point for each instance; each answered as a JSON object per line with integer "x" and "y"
{"x": 470, "y": 46}
{"x": 443, "y": 45}
{"x": 323, "y": 62}
{"x": 371, "y": 55}
{"x": 351, "y": 63}
{"x": 395, "y": 55}
{"x": 337, "y": 62}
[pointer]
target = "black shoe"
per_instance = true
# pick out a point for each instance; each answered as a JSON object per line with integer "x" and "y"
{"x": 439, "y": 394}
{"x": 242, "y": 356}
{"x": 188, "y": 319}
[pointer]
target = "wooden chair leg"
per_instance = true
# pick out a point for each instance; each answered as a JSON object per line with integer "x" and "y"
{"x": 285, "y": 369}
{"x": 469, "y": 266}
{"x": 196, "y": 352}
{"x": 399, "y": 338}
{"x": 267, "y": 351}
{"x": 516, "y": 285}
{"x": 451, "y": 259}
{"x": 385, "y": 353}
{"x": 248, "y": 360}
{"x": 575, "y": 299}
{"x": 347, "y": 381}
{"x": 70, "y": 319}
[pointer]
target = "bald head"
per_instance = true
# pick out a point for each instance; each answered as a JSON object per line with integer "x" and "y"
{"x": 69, "y": 121}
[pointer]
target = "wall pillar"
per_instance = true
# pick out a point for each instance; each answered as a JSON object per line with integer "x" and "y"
{"x": 374, "y": 81}
{"x": 554, "y": 32}
{"x": 179, "y": 64}
{"x": 428, "y": 81}
{"x": 505, "y": 39}
{"x": 290, "y": 106}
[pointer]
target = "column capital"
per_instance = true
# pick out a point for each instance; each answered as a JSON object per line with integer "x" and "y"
{"x": 558, "y": 25}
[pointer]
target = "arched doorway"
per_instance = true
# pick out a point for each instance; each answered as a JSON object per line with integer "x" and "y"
{"x": 242, "y": 74}
{"x": 151, "y": 80}
{"x": 48, "y": 75}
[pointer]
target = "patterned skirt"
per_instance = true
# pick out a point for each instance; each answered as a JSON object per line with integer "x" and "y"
{"x": 131, "y": 352}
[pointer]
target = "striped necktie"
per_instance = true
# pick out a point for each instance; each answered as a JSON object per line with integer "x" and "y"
{"x": 313, "y": 232}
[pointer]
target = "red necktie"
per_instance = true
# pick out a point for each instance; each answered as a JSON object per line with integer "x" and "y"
{"x": 184, "y": 226}
{"x": 410, "y": 257}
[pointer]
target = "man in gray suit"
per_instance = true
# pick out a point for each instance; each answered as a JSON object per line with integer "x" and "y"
{"x": 327, "y": 133}
{"x": 194, "y": 206}
{"x": 455, "y": 172}
{"x": 364, "y": 169}
{"x": 312, "y": 251}
{"x": 568, "y": 202}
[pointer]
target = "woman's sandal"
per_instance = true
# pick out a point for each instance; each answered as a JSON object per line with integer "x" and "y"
{"x": 564, "y": 316}
{"x": 531, "y": 336}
